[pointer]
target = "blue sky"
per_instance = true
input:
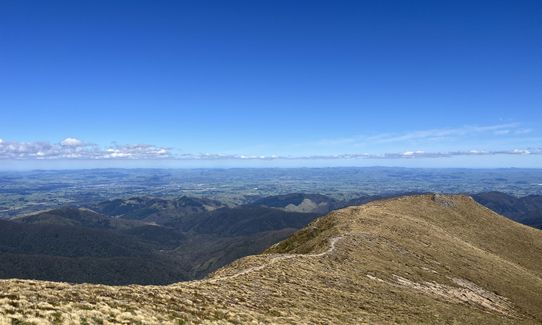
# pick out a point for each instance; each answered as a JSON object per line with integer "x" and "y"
{"x": 270, "y": 83}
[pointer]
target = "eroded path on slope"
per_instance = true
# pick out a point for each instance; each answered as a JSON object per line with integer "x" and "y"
{"x": 332, "y": 243}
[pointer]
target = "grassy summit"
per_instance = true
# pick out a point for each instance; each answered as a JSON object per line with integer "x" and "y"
{"x": 415, "y": 259}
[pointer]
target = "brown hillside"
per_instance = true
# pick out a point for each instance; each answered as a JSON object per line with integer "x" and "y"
{"x": 416, "y": 259}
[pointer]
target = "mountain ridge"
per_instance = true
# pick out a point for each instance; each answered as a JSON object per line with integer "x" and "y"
{"x": 417, "y": 259}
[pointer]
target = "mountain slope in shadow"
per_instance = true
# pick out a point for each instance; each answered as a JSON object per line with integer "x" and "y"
{"x": 526, "y": 210}
{"x": 83, "y": 246}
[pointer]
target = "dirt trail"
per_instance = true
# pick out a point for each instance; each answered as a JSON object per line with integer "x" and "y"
{"x": 275, "y": 259}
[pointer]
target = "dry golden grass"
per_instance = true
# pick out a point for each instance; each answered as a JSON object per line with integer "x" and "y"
{"x": 417, "y": 259}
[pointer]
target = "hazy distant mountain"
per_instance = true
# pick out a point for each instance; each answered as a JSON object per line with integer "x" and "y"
{"x": 425, "y": 259}
{"x": 68, "y": 216}
{"x": 156, "y": 209}
{"x": 81, "y": 217}
{"x": 526, "y": 210}
{"x": 299, "y": 202}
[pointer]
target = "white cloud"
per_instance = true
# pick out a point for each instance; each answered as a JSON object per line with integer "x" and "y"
{"x": 521, "y": 152}
{"x": 446, "y": 132}
{"x": 71, "y": 142}
{"x": 72, "y": 148}
{"x": 79, "y": 150}
{"x": 412, "y": 153}
{"x": 523, "y": 131}
{"x": 347, "y": 156}
{"x": 139, "y": 151}
{"x": 509, "y": 129}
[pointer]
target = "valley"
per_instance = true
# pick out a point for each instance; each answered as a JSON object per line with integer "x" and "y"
{"x": 149, "y": 240}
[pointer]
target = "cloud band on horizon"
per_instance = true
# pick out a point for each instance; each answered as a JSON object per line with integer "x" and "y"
{"x": 75, "y": 149}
